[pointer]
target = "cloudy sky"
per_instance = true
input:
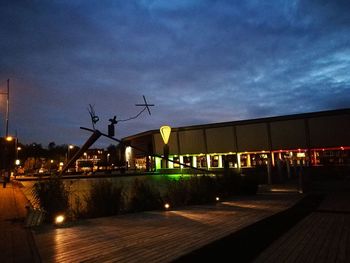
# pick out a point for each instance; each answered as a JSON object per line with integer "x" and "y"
{"x": 198, "y": 61}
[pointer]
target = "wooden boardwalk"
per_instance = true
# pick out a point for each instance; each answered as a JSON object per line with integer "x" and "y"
{"x": 158, "y": 236}
{"x": 16, "y": 242}
{"x": 323, "y": 236}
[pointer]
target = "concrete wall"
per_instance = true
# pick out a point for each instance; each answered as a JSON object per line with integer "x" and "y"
{"x": 252, "y": 137}
{"x": 286, "y": 135}
{"x": 192, "y": 141}
{"x": 330, "y": 131}
{"x": 220, "y": 140}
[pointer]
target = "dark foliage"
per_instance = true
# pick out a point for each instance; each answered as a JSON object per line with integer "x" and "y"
{"x": 104, "y": 199}
{"x": 52, "y": 196}
{"x": 144, "y": 197}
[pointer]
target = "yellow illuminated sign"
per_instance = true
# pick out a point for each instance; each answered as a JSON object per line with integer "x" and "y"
{"x": 165, "y": 132}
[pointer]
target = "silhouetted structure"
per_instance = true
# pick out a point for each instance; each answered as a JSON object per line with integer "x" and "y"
{"x": 318, "y": 138}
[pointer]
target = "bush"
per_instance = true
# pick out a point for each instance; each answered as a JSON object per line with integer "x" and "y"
{"x": 248, "y": 185}
{"x": 104, "y": 199}
{"x": 228, "y": 184}
{"x": 177, "y": 193}
{"x": 143, "y": 197}
{"x": 237, "y": 184}
{"x": 202, "y": 189}
{"x": 52, "y": 196}
{"x": 193, "y": 190}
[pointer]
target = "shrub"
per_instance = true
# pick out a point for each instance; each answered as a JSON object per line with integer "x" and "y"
{"x": 78, "y": 207}
{"x": 230, "y": 184}
{"x": 177, "y": 193}
{"x": 104, "y": 199}
{"x": 202, "y": 189}
{"x": 143, "y": 197}
{"x": 248, "y": 185}
{"x": 193, "y": 190}
{"x": 52, "y": 196}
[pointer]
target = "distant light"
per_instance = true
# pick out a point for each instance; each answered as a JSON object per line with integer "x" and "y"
{"x": 342, "y": 148}
{"x": 19, "y": 148}
{"x": 9, "y": 138}
{"x": 128, "y": 153}
{"x": 59, "y": 219}
{"x": 61, "y": 163}
{"x": 165, "y": 132}
{"x": 17, "y": 162}
{"x": 166, "y": 206}
{"x": 51, "y": 161}
{"x": 217, "y": 198}
{"x": 71, "y": 146}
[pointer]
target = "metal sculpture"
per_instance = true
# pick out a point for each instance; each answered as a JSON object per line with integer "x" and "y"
{"x": 97, "y": 134}
{"x": 94, "y": 117}
{"x": 114, "y": 121}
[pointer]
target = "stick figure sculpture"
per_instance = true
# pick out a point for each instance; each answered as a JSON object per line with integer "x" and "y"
{"x": 94, "y": 117}
{"x": 114, "y": 121}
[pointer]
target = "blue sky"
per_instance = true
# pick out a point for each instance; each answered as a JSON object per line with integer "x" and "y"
{"x": 197, "y": 61}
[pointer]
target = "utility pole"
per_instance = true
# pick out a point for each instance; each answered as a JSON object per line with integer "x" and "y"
{"x": 7, "y": 107}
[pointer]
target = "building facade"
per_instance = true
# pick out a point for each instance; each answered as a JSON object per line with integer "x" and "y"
{"x": 318, "y": 138}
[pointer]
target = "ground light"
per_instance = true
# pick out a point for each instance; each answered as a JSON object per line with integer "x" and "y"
{"x": 59, "y": 220}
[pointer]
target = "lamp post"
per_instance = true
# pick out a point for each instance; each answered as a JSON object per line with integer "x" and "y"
{"x": 8, "y": 161}
{"x": 165, "y": 132}
{"x": 7, "y": 107}
{"x": 70, "y": 147}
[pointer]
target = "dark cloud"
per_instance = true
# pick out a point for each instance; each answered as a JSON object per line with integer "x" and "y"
{"x": 198, "y": 61}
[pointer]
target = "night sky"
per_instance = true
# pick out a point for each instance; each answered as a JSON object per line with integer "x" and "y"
{"x": 198, "y": 61}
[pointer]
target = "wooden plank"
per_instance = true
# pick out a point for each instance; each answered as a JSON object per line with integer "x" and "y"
{"x": 153, "y": 236}
{"x": 321, "y": 237}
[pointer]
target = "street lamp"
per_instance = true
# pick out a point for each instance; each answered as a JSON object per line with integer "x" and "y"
{"x": 165, "y": 132}
{"x": 70, "y": 147}
{"x": 7, "y": 106}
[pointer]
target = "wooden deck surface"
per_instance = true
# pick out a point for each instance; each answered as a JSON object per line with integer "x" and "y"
{"x": 323, "y": 236}
{"x": 16, "y": 241}
{"x": 159, "y": 236}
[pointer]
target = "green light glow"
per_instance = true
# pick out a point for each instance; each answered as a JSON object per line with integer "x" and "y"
{"x": 158, "y": 163}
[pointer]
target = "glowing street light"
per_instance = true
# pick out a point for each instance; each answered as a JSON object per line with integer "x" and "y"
{"x": 165, "y": 132}
{"x": 69, "y": 149}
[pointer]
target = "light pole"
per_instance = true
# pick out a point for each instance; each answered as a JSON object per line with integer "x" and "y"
{"x": 70, "y": 147}
{"x": 7, "y": 107}
{"x": 165, "y": 132}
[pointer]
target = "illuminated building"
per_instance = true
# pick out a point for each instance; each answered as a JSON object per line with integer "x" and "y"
{"x": 318, "y": 138}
